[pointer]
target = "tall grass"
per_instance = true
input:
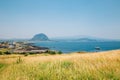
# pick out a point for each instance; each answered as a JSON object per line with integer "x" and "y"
{"x": 91, "y": 66}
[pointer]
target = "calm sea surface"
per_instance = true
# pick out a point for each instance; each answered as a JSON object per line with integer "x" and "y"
{"x": 74, "y": 46}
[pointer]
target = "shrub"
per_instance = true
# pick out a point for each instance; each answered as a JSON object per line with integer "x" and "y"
{"x": 23, "y": 53}
{"x": 7, "y": 52}
{"x": 1, "y": 53}
{"x": 54, "y": 52}
{"x": 26, "y": 54}
{"x": 51, "y": 52}
{"x": 31, "y": 53}
{"x": 59, "y": 52}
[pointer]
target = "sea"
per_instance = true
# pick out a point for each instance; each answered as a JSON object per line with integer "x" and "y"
{"x": 77, "y": 46}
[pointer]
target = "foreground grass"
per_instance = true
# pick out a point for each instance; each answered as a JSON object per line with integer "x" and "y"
{"x": 89, "y": 66}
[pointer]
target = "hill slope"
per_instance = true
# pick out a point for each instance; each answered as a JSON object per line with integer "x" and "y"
{"x": 76, "y": 66}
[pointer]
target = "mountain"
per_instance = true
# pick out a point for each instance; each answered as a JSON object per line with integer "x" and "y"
{"x": 40, "y": 37}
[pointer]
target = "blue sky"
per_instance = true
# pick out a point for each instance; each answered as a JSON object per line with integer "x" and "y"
{"x": 59, "y": 18}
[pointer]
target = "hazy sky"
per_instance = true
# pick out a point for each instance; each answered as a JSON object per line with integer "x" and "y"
{"x": 57, "y": 18}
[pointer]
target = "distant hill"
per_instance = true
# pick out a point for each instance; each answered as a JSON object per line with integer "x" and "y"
{"x": 40, "y": 37}
{"x": 84, "y": 39}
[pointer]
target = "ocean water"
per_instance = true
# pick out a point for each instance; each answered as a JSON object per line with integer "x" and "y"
{"x": 75, "y": 46}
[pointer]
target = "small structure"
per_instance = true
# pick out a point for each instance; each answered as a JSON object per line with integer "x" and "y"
{"x": 97, "y": 49}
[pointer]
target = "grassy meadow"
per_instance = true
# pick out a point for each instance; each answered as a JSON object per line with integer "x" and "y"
{"x": 74, "y": 66}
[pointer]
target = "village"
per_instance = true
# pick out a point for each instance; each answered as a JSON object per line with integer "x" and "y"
{"x": 21, "y": 47}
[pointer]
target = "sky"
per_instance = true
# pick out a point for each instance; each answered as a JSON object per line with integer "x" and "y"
{"x": 60, "y": 18}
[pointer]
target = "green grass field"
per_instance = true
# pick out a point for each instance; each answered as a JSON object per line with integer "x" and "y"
{"x": 76, "y": 66}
